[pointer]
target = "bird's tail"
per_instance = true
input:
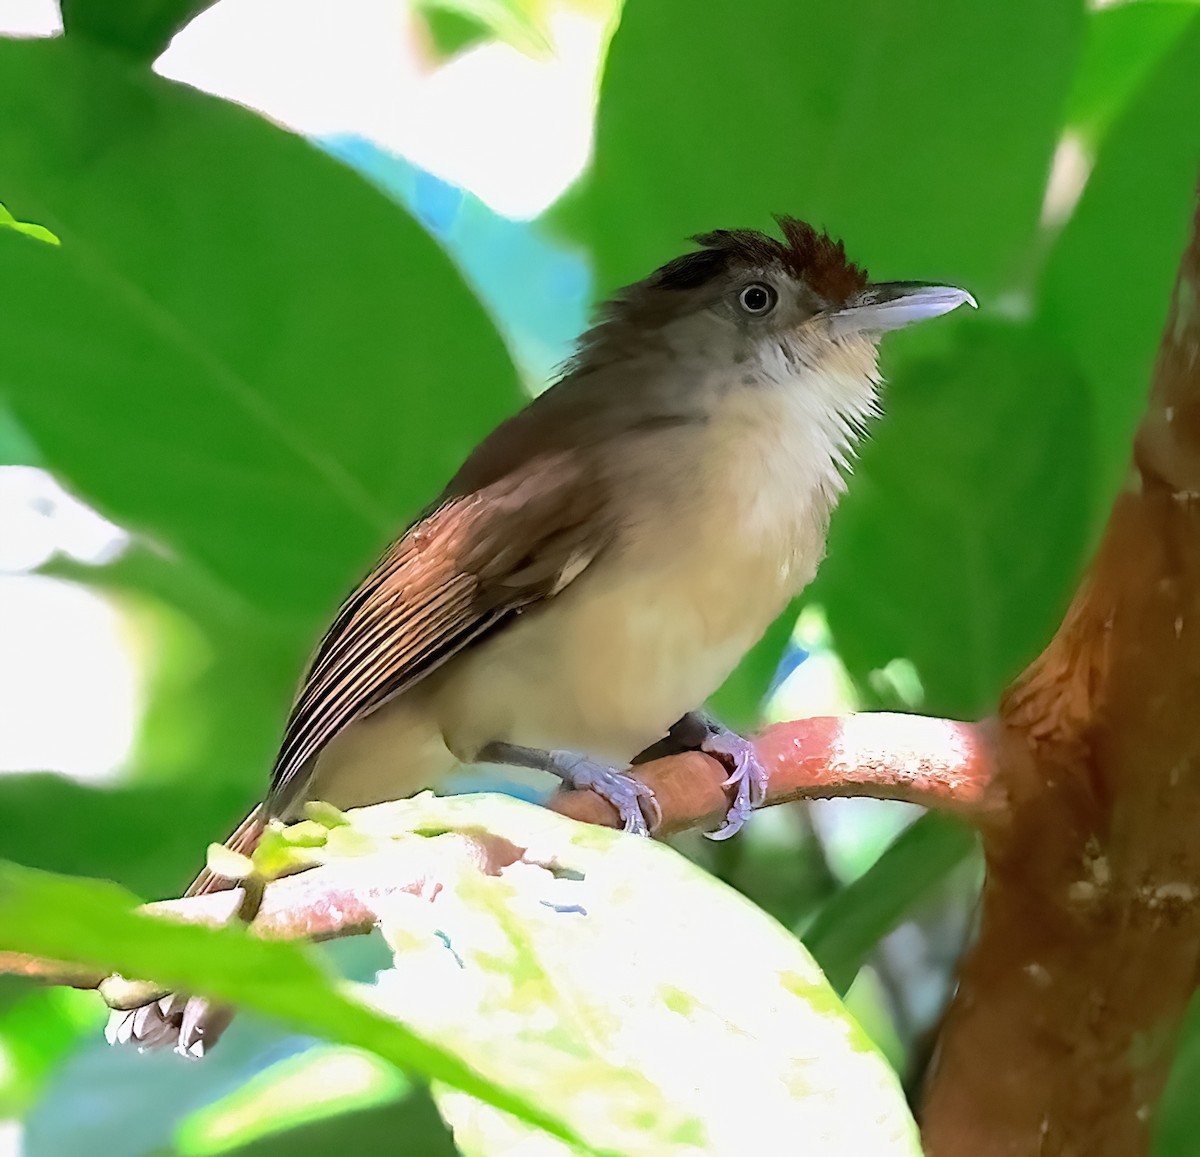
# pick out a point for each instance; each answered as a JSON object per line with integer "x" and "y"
{"x": 188, "y": 1024}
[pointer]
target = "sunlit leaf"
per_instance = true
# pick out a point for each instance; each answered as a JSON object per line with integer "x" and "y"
{"x": 521, "y": 23}
{"x": 653, "y": 1006}
{"x": 39, "y": 232}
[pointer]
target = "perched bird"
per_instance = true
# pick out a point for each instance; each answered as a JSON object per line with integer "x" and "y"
{"x": 604, "y": 558}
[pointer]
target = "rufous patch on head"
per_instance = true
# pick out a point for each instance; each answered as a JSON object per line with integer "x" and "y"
{"x": 803, "y": 253}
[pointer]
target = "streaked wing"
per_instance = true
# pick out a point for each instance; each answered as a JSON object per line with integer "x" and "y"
{"x": 456, "y": 575}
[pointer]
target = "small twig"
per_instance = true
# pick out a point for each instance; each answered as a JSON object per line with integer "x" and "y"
{"x": 939, "y": 763}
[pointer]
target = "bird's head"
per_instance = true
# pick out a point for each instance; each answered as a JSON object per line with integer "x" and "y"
{"x": 763, "y": 309}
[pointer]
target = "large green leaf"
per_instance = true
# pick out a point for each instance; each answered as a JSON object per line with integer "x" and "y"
{"x": 1108, "y": 282}
{"x": 658, "y": 1010}
{"x": 1125, "y": 43}
{"x": 95, "y": 923}
{"x": 900, "y": 126}
{"x": 964, "y": 528}
{"x": 240, "y": 348}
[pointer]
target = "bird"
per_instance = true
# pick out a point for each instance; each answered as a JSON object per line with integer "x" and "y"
{"x": 604, "y": 558}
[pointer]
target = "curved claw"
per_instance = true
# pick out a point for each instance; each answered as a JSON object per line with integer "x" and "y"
{"x": 748, "y": 778}
{"x": 190, "y": 1025}
{"x": 634, "y": 801}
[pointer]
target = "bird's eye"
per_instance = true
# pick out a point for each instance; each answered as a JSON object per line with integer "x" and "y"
{"x": 757, "y": 299}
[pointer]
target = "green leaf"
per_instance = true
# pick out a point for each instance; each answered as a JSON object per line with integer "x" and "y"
{"x": 1177, "y": 1116}
{"x": 1108, "y": 282}
{"x": 142, "y": 28}
{"x": 1125, "y": 43}
{"x": 40, "y": 232}
{"x": 852, "y": 922}
{"x": 899, "y": 127}
{"x": 657, "y": 1009}
{"x": 241, "y": 348}
{"x": 94, "y": 923}
{"x": 36, "y": 1034}
{"x": 16, "y": 447}
{"x": 522, "y": 23}
{"x": 148, "y": 838}
{"x": 964, "y": 529}
{"x": 327, "y": 1097}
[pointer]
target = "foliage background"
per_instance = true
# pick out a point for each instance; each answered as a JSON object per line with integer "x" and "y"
{"x": 261, "y": 357}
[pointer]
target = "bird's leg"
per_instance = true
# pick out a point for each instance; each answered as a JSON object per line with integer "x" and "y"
{"x": 697, "y": 731}
{"x": 634, "y": 801}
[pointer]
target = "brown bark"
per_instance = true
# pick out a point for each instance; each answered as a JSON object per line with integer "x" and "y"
{"x": 1064, "y": 1026}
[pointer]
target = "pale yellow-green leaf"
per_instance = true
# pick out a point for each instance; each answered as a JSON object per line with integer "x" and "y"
{"x": 656, "y": 1010}
{"x": 40, "y": 232}
{"x": 223, "y": 861}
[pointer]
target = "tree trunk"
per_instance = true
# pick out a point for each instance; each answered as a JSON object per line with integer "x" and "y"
{"x": 1063, "y": 1030}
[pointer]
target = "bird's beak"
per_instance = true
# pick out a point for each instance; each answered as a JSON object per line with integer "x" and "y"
{"x": 893, "y": 304}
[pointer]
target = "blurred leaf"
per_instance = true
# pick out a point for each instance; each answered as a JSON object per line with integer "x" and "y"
{"x": 898, "y": 127}
{"x": 853, "y": 921}
{"x": 142, "y": 28}
{"x": 408, "y": 1126}
{"x": 95, "y": 923}
{"x": 1177, "y": 1116}
{"x": 249, "y": 366}
{"x": 1108, "y": 281}
{"x": 327, "y": 1098}
{"x": 150, "y": 839}
{"x": 654, "y": 1007}
{"x": 739, "y": 702}
{"x": 39, "y": 232}
{"x": 777, "y": 861}
{"x": 1123, "y": 46}
{"x": 451, "y": 32}
{"x": 962, "y": 535}
{"x": 119, "y": 1102}
{"x": 521, "y": 23}
{"x": 16, "y": 447}
{"x": 35, "y": 1034}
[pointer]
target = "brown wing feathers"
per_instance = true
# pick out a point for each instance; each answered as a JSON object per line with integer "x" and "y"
{"x": 455, "y": 576}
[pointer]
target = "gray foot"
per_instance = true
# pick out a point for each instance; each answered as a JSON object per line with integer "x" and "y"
{"x": 747, "y": 777}
{"x": 634, "y": 801}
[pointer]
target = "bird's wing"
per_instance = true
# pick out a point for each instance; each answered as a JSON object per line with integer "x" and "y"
{"x": 454, "y": 577}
